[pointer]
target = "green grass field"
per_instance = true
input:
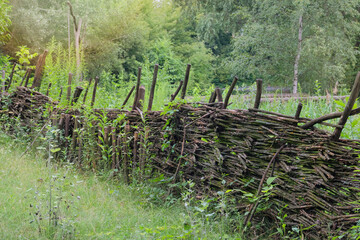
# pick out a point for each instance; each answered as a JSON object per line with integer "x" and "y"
{"x": 86, "y": 206}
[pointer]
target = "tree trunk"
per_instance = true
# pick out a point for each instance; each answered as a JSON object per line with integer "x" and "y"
{"x": 77, "y": 31}
{"x": 69, "y": 36}
{"x": 297, "y": 59}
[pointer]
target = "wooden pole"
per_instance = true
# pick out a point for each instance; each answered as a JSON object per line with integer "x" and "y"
{"x": 173, "y": 96}
{"x": 77, "y": 93}
{"x": 68, "y": 95}
{"x": 298, "y": 111}
{"x": 212, "y": 97}
{"x": 186, "y": 80}
{"x": 48, "y": 89}
{"x": 94, "y": 91}
{"x": 125, "y": 152}
{"x": 39, "y": 70}
{"x": 231, "y": 89}
{"x": 27, "y": 78}
{"x": 60, "y": 94}
{"x": 258, "y": 93}
{"x": 219, "y": 94}
{"x": 135, "y": 153}
{"x": 8, "y": 84}
{"x": 67, "y": 129}
{"x": 141, "y": 98}
{"x": 354, "y": 94}
{"x": 127, "y": 97}
{"x": 23, "y": 79}
{"x": 74, "y": 137}
{"x": 152, "y": 90}
{"x": 86, "y": 91}
{"x": 113, "y": 141}
{"x": 3, "y": 82}
{"x": 137, "y": 89}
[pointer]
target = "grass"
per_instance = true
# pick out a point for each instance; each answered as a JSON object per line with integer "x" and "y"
{"x": 95, "y": 207}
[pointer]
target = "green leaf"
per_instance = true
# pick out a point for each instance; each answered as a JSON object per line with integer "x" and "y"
{"x": 270, "y": 180}
{"x": 54, "y": 150}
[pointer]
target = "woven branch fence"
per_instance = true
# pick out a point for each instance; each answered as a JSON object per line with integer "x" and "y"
{"x": 317, "y": 179}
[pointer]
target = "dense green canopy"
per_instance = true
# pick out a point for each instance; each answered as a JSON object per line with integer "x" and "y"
{"x": 221, "y": 39}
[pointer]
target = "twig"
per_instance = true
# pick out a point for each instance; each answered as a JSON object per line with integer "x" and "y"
{"x": 29, "y": 146}
{"x": 183, "y": 143}
{"x": 254, "y": 206}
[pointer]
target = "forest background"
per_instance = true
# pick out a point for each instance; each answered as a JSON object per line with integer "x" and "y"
{"x": 278, "y": 41}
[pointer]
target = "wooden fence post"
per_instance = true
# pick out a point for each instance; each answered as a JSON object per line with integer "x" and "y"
{"x": 186, "y": 80}
{"x": 137, "y": 89}
{"x": 68, "y": 95}
{"x": 354, "y": 94}
{"x": 48, "y": 89}
{"x": 86, "y": 91}
{"x": 141, "y": 98}
{"x": 27, "y": 78}
{"x": 231, "y": 89}
{"x": 152, "y": 90}
{"x": 258, "y": 93}
{"x": 127, "y": 97}
{"x": 39, "y": 70}
{"x": 219, "y": 94}
{"x": 77, "y": 93}
{"x": 173, "y": 96}
{"x": 94, "y": 91}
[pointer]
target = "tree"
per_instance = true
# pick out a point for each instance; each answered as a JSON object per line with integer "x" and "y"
{"x": 270, "y": 44}
{"x": 4, "y": 21}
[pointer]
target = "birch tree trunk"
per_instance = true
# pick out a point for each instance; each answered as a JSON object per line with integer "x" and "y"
{"x": 77, "y": 31}
{"x": 297, "y": 58}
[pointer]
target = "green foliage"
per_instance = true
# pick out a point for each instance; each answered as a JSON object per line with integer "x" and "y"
{"x": 267, "y": 45}
{"x": 24, "y": 55}
{"x": 5, "y": 21}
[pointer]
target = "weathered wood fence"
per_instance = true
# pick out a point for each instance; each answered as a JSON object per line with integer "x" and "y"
{"x": 317, "y": 174}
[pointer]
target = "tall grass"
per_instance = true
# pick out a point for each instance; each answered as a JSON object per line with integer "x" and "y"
{"x": 94, "y": 207}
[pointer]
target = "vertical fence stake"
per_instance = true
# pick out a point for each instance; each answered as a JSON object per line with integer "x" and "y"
{"x": 77, "y": 93}
{"x": 69, "y": 88}
{"x": 48, "y": 89}
{"x": 3, "y": 83}
{"x": 86, "y": 91}
{"x": 118, "y": 152}
{"x": 9, "y": 81}
{"x": 212, "y": 97}
{"x": 39, "y": 70}
{"x": 231, "y": 89}
{"x": 127, "y": 97}
{"x": 137, "y": 89}
{"x": 152, "y": 90}
{"x": 135, "y": 153}
{"x": 186, "y": 80}
{"x": 25, "y": 75}
{"x": 94, "y": 91}
{"x": 141, "y": 98}
{"x": 298, "y": 111}
{"x": 67, "y": 129}
{"x": 173, "y": 96}
{"x": 126, "y": 152}
{"x": 354, "y": 94}
{"x": 27, "y": 78}
{"x": 218, "y": 94}
{"x": 258, "y": 93}
{"x": 113, "y": 153}
{"x": 74, "y": 137}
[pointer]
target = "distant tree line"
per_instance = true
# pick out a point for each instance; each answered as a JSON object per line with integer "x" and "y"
{"x": 283, "y": 42}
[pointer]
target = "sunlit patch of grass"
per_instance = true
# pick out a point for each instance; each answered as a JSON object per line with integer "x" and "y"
{"x": 102, "y": 209}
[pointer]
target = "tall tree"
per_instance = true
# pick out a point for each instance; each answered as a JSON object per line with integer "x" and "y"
{"x": 270, "y": 44}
